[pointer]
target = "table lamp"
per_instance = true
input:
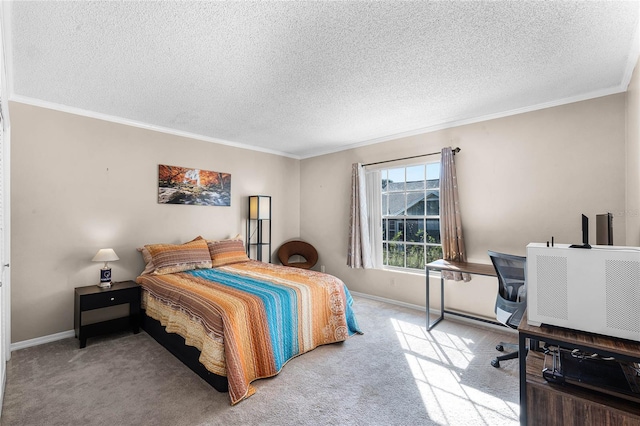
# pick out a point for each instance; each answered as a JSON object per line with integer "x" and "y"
{"x": 105, "y": 255}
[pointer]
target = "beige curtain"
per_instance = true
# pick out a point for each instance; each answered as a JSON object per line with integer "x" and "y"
{"x": 450, "y": 220}
{"x": 359, "y": 251}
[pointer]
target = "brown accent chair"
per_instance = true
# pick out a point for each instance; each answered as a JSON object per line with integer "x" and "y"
{"x": 298, "y": 248}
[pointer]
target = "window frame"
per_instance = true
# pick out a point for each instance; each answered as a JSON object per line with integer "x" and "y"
{"x": 403, "y": 218}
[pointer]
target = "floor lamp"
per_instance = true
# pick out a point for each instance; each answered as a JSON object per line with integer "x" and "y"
{"x": 259, "y": 225}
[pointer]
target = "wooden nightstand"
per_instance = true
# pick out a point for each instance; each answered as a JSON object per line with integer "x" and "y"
{"x": 94, "y": 297}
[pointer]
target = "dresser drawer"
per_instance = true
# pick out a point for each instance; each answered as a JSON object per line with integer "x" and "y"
{"x": 109, "y": 298}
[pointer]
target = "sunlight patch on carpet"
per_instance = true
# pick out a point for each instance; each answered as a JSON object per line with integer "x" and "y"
{"x": 441, "y": 364}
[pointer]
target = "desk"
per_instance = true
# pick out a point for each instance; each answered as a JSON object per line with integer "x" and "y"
{"x": 464, "y": 267}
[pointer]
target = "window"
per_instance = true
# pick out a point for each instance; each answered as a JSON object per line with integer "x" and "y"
{"x": 411, "y": 216}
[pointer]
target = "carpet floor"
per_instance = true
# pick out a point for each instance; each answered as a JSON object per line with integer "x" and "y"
{"x": 394, "y": 374}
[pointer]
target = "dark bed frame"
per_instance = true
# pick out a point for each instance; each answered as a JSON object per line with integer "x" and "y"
{"x": 189, "y": 355}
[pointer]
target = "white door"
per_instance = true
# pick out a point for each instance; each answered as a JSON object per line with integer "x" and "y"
{"x": 4, "y": 263}
{"x": 5, "y": 219}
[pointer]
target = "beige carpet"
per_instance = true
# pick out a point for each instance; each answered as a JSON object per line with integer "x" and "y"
{"x": 394, "y": 374}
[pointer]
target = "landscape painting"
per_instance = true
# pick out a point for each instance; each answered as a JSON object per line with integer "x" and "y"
{"x": 181, "y": 185}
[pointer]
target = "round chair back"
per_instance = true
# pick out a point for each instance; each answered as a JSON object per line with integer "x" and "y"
{"x": 298, "y": 248}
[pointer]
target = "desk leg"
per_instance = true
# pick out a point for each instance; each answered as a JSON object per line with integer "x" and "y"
{"x": 430, "y": 324}
{"x": 522, "y": 358}
{"x": 441, "y": 297}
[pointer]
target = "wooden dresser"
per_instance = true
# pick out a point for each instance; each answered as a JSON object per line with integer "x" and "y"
{"x": 544, "y": 403}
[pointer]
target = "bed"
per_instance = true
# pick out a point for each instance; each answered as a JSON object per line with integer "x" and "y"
{"x": 233, "y": 320}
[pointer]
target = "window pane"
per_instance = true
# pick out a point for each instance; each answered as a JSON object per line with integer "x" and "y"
{"x": 433, "y": 203}
{"x": 383, "y": 176}
{"x": 385, "y": 254}
{"x": 415, "y": 257}
{"x": 396, "y": 180}
{"x": 415, "y": 230}
{"x": 385, "y": 204}
{"x": 415, "y": 203}
{"x": 396, "y": 230}
{"x": 433, "y": 231}
{"x": 433, "y": 253}
{"x": 396, "y": 204}
{"x": 396, "y": 255}
{"x": 384, "y": 229}
{"x": 415, "y": 177}
{"x": 433, "y": 174}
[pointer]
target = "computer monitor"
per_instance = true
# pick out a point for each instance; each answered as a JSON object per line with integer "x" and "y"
{"x": 585, "y": 230}
{"x": 604, "y": 229}
{"x": 585, "y": 234}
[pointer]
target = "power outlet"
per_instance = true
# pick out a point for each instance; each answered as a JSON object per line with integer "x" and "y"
{"x": 322, "y": 268}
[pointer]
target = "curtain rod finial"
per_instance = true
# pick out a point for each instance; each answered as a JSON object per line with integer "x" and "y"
{"x": 456, "y": 150}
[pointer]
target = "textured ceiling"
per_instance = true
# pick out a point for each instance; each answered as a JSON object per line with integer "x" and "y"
{"x": 305, "y": 78}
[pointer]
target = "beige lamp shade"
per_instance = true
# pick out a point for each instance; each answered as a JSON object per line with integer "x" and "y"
{"x": 105, "y": 255}
{"x": 259, "y": 207}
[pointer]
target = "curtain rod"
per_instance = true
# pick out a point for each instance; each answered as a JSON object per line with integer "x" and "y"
{"x": 455, "y": 150}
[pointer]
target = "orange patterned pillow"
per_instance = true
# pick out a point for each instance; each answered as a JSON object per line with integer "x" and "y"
{"x": 170, "y": 258}
{"x": 226, "y": 252}
{"x": 149, "y": 267}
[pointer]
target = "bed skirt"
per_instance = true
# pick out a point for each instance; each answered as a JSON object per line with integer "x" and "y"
{"x": 189, "y": 355}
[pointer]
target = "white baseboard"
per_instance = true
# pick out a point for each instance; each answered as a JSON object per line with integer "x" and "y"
{"x": 42, "y": 340}
{"x": 4, "y": 384}
{"x": 435, "y": 312}
{"x": 71, "y": 333}
{"x": 391, "y": 301}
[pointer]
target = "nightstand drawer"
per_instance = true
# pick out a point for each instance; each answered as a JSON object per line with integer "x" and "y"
{"x": 109, "y": 298}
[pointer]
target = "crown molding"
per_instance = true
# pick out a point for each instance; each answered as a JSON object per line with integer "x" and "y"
{"x": 463, "y": 121}
{"x": 133, "y": 123}
{"x": 456, "y": 122}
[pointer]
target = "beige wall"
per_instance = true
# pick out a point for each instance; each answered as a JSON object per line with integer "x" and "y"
{"x": 523, "y": 178}
{"x": 632, "y": 212}
{"x": 79, "y": 184}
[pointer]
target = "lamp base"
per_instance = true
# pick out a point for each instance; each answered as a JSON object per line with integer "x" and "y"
{"x": 105, "y": 277}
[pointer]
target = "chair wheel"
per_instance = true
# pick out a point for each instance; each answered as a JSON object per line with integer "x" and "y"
{"x": 495, "y": 363}
{"x": 499, "y": 348}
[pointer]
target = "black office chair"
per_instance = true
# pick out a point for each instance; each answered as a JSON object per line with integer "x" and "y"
{"x": 511, "y": 301}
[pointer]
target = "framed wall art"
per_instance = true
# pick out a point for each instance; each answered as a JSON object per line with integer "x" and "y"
{"x": 182, "y": 185}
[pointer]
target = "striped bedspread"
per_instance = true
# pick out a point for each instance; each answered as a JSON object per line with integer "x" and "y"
{"x": 248, "y": 319}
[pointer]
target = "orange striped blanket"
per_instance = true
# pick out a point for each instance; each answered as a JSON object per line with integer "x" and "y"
{"x": 248, "y": 319}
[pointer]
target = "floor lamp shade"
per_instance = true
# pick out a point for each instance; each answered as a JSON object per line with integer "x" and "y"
{"x": 259, "y": 207}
